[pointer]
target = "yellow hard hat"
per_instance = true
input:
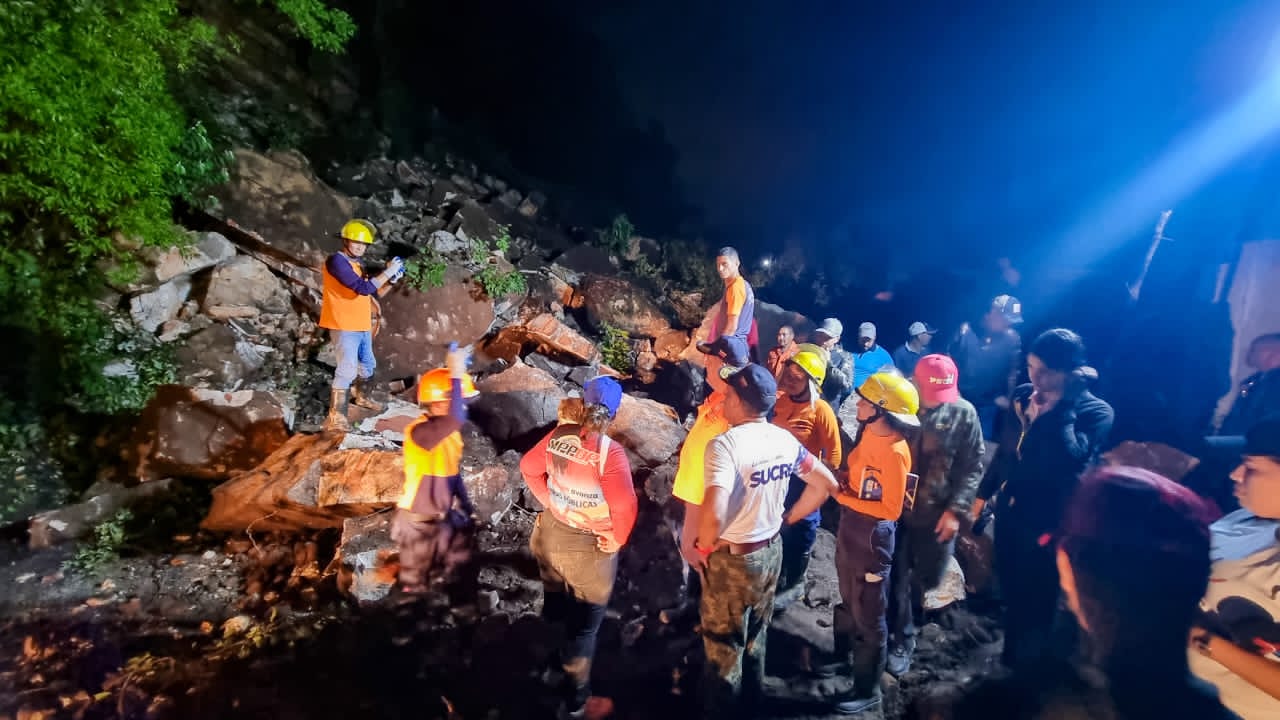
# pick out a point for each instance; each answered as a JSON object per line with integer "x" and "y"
{"x": 893, "y": 394}
{"x": 433, "y": 386}
{"x": 361, "y": 231}
{"x": 812, "y": 360}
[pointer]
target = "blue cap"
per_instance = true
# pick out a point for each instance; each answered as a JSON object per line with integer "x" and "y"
{"x": 603, "y": 390}
{"x": 754, "y": 385}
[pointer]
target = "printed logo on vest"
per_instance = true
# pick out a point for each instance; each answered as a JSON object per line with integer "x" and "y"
{"x": 570, "y": 447}
{"x": 871, "y": 489}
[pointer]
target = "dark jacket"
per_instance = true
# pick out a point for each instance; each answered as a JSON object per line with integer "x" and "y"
{"x": 1258, "y": 397}
{"x": 1037, "y": 473}
{"x": 988, "y": 365}
{"x": 947, "y": 455}
{"x": 839, "y": 381}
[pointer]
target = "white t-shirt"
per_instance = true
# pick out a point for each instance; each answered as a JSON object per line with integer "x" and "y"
{"x": 1243, "y": 604}
{"x": 754, "y": 463}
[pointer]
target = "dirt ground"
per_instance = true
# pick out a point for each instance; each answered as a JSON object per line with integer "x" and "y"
{"x": 237, "y": 629}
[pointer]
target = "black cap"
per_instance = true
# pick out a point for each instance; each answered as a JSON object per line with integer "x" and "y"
{"x": 1264, "y": 437}
{"x": 754, "y": 384}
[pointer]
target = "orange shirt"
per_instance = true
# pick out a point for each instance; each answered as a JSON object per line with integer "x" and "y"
{"x": 342, "y": 308}
{"x": 813, "y": 425}
{"x": 690, "y": 482}
{"x": 877, "y": 480}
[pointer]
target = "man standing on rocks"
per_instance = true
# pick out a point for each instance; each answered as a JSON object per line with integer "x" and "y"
{"x": 434, "y": 516}
{"x": 919, "y": 335}
{"x": 946, "y": 454}
{"x": 737, "y": 309}
{"x": 779, "y": 356}
{"x": 748, "y": 468}
{"x": 346, "y": 310}
{"x": 839, "y": 382}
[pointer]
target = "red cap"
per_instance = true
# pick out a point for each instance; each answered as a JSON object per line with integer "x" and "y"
{"x": 936, "y": 377}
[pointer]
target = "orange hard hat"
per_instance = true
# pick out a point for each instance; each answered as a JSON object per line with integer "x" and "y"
{"x": 433, "y": 386}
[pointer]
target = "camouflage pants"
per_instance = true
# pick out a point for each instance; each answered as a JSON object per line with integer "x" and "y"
{"x": 737, "y": 604}
{"x": 919, "y": 562}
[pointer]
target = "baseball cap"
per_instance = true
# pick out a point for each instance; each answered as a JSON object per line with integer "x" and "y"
{"x": 1008, "y": 306}
{"x": 1264, "y": 437}
{"x": 603, "y": 390}
{"x": 832, "y": 328}
{"x": 754, "y": 384}
{"x": 1129, "y": 507}
{"x": 919, "y": 328}
{"x": 936, "y": 377}
{"x": 867, "y": 330}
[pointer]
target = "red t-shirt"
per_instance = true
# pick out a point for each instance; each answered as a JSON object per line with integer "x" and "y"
{"x": 564, "y": 472}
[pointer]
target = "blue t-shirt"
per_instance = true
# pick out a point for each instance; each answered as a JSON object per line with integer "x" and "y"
{"x": 866, "y": 364}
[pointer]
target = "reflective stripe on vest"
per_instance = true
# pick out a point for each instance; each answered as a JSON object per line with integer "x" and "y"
{"x": 342, "y": 308}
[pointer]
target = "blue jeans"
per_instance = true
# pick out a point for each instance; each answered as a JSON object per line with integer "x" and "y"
{"x": 797, "y": 540}
{"x": 355, "y": 353}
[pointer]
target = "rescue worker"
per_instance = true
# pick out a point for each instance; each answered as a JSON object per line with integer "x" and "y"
{"x": 988, "y": 363}
{"x": 346, "y": 310}
{"x": 1063, "y": 428}
{"x": 781, "y": 353}
{"x": 583, "y": 480}
{"x": 690, "y": 480}
{"x": 735, "y": 314}
{"x": 946, "y": 455}
{"x": 802, "y": 412}
{"x": 871, "y": 496}
{"x": 434, "y": 517}
{"x": 747, "y": 469}
{"x": 1259, "y": 394}
{"x": 839, "y": 382}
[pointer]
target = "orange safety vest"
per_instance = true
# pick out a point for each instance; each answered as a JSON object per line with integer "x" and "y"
{"x": 442, "y": 461}
{"x": 342, "y": 308}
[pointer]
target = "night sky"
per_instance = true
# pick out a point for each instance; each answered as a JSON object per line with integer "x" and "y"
{"x": 938, "y": 125}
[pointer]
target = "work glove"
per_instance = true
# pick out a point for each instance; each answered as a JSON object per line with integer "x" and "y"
{"x": 395, "y": 266}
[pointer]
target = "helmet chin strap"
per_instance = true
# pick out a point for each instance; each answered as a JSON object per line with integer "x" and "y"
{"x": 862, "y": 426}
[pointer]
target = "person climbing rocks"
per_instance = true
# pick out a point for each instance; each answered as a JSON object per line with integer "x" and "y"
{"x": 583, "y": 480}
{"x": 347, "y": 307}
{"x": 434, "y": 518}
{"x": 736, "y": 311}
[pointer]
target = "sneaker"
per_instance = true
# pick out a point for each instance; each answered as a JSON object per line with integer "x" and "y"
{"x": 899, "y": 661}
{"x": 853, "y": 706}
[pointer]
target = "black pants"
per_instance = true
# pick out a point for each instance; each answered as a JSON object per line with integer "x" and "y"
{"x": 1035, "y": 627}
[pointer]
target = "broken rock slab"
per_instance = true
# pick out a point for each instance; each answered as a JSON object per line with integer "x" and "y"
{"x": 419, "y": 325}
{"x": 207, "y": 434}
{"x": 648, "y": 429}
{"x": 207, "y": 250}
{"x": 614, "y": 301}
{"x": 367, "y": 559}
{"x": 246, "y": 282}
{"x": 73, "y": 521}
{"x": 517, "y": 405}
{"x": 150, "y": 310}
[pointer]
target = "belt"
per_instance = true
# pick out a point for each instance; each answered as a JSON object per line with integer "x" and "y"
{"x": 743, "y": 548}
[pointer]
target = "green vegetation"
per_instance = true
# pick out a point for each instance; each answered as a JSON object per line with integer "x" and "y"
{"x": 96, "y": 146}
{"x": 616, "y": 350}
{"x": 617, "y": 236}
{"x": 425, "y": 271}
{"x": 495, "y": 281}
{"x": 108, "y": 537}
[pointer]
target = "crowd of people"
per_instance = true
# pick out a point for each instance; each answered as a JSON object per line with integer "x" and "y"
{"x": 1104, "y": 572}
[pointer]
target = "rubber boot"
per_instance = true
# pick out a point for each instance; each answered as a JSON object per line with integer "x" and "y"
{"x": 841, "y": 658}
{"x": 336, "y": 420}
{"x": 359, "y": 399}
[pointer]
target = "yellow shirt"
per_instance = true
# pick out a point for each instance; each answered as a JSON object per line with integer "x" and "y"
{"x": 690, "y": 483}
{"x": 877, "y": 485}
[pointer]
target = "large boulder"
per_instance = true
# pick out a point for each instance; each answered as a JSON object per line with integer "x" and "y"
{"x": 419, "y": 325}
{"x": 218, "y": 358}
{"x": 548, "y": 334}
{"x": 78, "y": 520}
{"x": 318, "y": 481}
{"x": 246, "y": 282}
{"x": 517, "y": 405}
{"x": 277, "y": 196}
{"x": 208, "y": 434}
{"x": 650, "y": 430}
{"x": 616, "y": 302}
{"x": 207, "y": 250}
{"x": 770, "y": 317}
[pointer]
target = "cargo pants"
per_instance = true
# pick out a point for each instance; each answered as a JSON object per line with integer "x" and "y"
{"x": 737, "y": 605}
{"x": 864, "y": 558}
{"x": 919, "y": 562}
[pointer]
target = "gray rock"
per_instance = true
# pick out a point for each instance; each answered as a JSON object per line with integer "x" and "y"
{"x": 517, "y": 405}
{"x": 446, "y": 243}
{"x": 557, "y": 370}
{"x": 247, "y": 282}
{"x": 150, "y": 310}
{"x": 510, "y": 199}
{"x": 209, "y": 249}
{"x": 533, "y": 203}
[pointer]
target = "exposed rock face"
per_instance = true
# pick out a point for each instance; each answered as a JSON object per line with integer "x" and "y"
{"x": 217, "y": 357}
{"x": 615, "y": 301}
{"x": 208, "y": 250}
{"x": 153, "y": 308}
{"x": 208, "y": 434}
{"x": 74, "y": 521}
{"x": 648, "y": 429}
{"x": 245, "y": 282}
{"x": 279, "y": 197}
{"x": 418, "y": 326}
{"x": 517, "y": 405}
